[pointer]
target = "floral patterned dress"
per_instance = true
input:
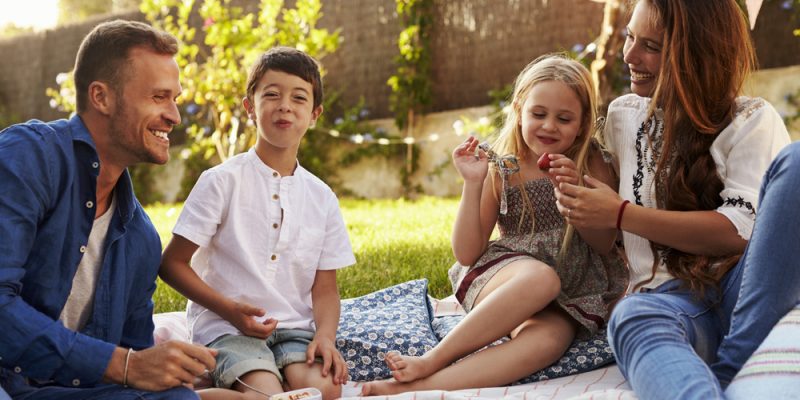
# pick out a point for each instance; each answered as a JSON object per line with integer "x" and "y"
{"x": 589, "y": 281}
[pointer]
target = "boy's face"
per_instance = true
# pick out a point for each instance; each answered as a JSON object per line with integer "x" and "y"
{"x": 283, "y": 109}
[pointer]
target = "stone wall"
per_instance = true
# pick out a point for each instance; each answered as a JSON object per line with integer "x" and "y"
{"x": 477, "y": 46}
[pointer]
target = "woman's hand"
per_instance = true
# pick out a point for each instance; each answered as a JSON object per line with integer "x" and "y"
{"x": 594, "y": 206}
{"x": 470, "y": 162}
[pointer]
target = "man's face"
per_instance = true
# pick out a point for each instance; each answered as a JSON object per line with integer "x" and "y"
{"x": 145, "y": 109}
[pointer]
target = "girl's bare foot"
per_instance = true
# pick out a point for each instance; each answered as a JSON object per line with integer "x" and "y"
{"x": 385, "y": 387}
{"x": 407, "y": 368}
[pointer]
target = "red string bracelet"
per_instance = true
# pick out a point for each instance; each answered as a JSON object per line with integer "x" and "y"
{"x": 619, "y": 214}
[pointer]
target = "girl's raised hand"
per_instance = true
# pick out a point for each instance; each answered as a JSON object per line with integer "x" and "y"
{"x": 470, "y": 161}
{"x": 562, "y": 170}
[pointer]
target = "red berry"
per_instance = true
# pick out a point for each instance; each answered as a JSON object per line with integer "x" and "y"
{"x": 544, "y": 162}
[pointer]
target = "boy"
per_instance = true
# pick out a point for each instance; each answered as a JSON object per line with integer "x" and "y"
{"x": 270, "y": 237}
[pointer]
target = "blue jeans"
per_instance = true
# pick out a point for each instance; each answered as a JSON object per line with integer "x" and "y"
{"x": 18, "y": 389}
{"x": 672, "y": 344}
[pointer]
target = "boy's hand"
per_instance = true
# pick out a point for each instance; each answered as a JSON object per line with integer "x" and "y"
{"x": 242, "y": 316}
{"x": 331, "y": 359}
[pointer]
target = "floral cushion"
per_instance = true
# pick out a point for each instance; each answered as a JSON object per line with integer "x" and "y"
{"x": 582, "y": 355}
{"x": 397, "y": 318}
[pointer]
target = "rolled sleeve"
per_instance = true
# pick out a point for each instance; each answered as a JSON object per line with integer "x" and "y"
{"x": 742, "y": 153}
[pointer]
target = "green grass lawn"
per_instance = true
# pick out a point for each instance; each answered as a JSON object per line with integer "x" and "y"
{"x": 393, "y": 240}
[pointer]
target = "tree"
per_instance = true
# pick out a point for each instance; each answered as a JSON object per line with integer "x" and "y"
{"x": 213, "y": 62}
{"x": 70, "y": 11}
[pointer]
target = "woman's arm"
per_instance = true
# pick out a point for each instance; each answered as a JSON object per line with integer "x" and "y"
{"x": 597, "y": 206}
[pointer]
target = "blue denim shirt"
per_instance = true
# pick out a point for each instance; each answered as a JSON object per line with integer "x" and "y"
{"x": 48, "y": 176}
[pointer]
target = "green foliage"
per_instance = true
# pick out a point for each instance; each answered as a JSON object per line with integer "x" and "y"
{"x": 11, "y": 29}
{"x": 411, "y": 90}
{"x": 394, "y": 241}
{"x": 213, "y": 61}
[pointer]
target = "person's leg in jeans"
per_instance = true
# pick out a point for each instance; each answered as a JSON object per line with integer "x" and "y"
{"x": 770, "y": 266}
{"x": 662, "y": 341}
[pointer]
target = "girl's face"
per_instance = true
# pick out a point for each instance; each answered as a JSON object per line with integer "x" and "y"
{"x": 642, "y": 50}
{"x": 551, "y": 118}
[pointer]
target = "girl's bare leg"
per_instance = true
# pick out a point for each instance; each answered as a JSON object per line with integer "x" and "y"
{"x": 511, "y": 297}
{"x": 537, "y": 343}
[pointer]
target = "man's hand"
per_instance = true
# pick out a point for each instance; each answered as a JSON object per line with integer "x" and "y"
{"x": 331, "y": 359}
{"x": 161, "y": 367}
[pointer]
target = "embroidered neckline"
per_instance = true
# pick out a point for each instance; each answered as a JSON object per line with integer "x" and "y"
{"x": 649, "y": 141}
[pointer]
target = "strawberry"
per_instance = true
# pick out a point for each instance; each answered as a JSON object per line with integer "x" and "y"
{"x": 544, "y": 162}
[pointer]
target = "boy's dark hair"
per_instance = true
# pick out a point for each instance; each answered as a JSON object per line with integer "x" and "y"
{"x": 290, "y": 61}
{"x": 103, "y": 54}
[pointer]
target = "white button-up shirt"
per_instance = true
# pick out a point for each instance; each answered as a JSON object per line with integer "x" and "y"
{"x": 262, "y": 238}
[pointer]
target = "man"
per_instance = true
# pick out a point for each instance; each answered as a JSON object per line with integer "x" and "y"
{"x": 78, "y": 255}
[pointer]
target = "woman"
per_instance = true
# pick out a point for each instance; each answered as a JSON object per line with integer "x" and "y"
{"x": 691, "y": 156}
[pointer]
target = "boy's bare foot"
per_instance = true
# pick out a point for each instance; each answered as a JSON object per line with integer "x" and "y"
{"x": 385, "y": 387}
{"x": 407, "y": 368}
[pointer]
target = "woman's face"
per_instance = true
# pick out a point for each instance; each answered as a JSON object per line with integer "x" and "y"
{"x": 642, "y": 50}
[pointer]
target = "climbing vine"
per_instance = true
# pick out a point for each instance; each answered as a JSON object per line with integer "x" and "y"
{"x": 411, "y": 88}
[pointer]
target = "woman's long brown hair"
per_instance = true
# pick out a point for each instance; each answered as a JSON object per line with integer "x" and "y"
{"x": 706, "y": 57}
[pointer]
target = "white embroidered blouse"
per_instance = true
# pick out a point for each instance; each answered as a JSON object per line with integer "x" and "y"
{"x": 742, "y": 152}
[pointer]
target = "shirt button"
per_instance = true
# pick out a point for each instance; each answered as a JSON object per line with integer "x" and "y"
{"x": 275, "y": 197}
{"x": 17, "y": 369}
{"x": 89, "y": 204}
{"x": 76, "y": 382}
{"x": 274, "y": 257}
{"x": 275, "y": 174}
{"x": 275, "y": 226}
{"x": 95, "y": 164}
{"x": 83, "y": 249}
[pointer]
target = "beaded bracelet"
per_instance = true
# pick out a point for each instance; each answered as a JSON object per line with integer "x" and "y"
{"x": 619, "y": 214}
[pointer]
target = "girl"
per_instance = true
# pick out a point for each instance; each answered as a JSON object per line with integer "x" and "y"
{"x": 538, "y": 283}
{"x": 691, "y": 155}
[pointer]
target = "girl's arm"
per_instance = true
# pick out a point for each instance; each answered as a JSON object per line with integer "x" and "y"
{"x": 478, "y": 209}
{"x": 176, "y": 272}
{"x": 326, "y": 306}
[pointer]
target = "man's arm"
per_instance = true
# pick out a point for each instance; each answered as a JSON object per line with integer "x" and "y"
{"x": 32, "y": 343}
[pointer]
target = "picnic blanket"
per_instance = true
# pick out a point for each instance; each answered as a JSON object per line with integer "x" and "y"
{"x": 404, "y": 318}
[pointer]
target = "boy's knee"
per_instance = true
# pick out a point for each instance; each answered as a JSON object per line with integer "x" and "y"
{"x": 331, "y": 391}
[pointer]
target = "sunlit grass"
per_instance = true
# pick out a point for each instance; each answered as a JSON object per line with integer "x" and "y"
{"x": 394, "y": 241}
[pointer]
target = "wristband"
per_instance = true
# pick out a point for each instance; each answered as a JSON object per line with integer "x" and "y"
{"x": 619, "y": 214}
{"x": 125, "y": 373}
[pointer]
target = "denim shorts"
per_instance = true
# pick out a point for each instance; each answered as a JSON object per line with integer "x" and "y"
{"x": 238, "y": 355}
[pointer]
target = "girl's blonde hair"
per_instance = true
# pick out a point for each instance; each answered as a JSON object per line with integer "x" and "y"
{"x": 560, "y": 68}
